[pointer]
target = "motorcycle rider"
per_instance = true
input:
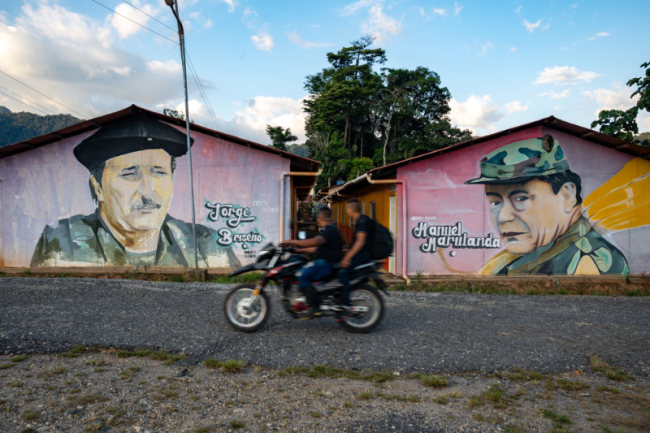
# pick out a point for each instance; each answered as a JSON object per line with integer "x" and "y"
{"x": 358, "y": 254}
{"x": 328, "y": 249}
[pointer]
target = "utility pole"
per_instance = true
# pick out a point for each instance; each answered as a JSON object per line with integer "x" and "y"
{"x": 181, "y": 36}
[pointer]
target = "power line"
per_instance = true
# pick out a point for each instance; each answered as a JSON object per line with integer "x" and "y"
{"x": 42, "y": 94}
{"x": 18, "y": 100}
{"x": 152, "y": 17}
{"x": 193, "y": 70}
{"x": 28, "y": 99}
{"x": 134, "y": 22}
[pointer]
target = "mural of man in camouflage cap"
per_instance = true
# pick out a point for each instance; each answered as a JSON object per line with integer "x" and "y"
{"x": 131, "y": 164}
{"x": 536, "y": 205}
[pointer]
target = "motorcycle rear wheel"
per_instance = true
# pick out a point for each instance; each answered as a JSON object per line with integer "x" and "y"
{"x": 241, "y": 315}
{"x": 362, "y": 323}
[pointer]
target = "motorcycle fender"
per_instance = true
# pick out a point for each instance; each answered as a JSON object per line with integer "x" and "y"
{"x": 247, "y": 268}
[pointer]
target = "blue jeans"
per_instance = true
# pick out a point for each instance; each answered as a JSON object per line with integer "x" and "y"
{"x": 359, "y": 259}
{"x": 314, "y": 271}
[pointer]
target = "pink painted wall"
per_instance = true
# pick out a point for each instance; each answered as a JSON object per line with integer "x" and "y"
{"x": 47, "y": 184}
{"x": 436, "y": 193}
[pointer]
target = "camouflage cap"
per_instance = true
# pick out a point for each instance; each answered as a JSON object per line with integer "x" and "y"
{"x": 519, "y": 161}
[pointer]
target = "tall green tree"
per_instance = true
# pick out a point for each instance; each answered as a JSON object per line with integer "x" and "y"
{"x": 372, "y": 116}
{"x": 280, "y": 137}
{"x": 622, "y": 123}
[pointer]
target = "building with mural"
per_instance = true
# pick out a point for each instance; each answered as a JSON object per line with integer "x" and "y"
{"x": 544, "y": 198}
{"x": 114, "y": 191}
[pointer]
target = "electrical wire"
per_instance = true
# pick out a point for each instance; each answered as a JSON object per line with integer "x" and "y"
{"x": 192, "y": 68}
{"x": 135, "y": 22}
{"x": 18, "y": 100}
{"x": 42, "y": 94}
{"x": 152, "y": 17}
{"x": 35, "y": 103}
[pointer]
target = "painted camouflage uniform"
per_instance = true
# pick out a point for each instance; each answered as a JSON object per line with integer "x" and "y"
{"x": 580, "y": 250}
{"x": 84, "y": 239}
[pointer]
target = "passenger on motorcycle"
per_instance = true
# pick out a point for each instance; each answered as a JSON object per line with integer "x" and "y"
{"x": 359, "y": 252}
{"x": 328, "y": 249}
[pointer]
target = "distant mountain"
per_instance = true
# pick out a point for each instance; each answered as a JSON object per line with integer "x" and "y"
{"x": 298, "y": 149}
{"x": 16, "y": 127}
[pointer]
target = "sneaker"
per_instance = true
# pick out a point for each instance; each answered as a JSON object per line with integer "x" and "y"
{"x": 345, "y": 314}
{"x": 311, "y": 313}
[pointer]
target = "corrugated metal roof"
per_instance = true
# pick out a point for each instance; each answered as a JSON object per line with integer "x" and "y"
{"x": 298, "y": 163}
{"x": 552, "y": 122}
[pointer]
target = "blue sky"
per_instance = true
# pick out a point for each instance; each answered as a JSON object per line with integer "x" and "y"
{"x": 505, "y": 63}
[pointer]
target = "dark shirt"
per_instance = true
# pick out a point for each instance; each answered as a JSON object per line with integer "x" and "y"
{"x": 364, "y": 225}
{"x": 332, "y": 250}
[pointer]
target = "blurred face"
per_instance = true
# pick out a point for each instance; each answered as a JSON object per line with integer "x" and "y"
{"x": 136, "y": 190}
{"x": 322, "y": 222}
{"x": 531, "y": 215}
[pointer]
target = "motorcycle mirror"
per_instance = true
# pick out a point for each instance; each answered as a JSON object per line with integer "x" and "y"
{"x": 302, "y": 235}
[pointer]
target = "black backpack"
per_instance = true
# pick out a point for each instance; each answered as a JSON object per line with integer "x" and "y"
{"x": 383, "y": 244}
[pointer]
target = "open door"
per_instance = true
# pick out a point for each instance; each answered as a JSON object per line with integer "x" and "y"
{"x": 392, "y": 222}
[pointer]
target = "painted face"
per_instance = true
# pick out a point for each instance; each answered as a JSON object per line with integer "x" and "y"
{"x": 137, "y": 190}
{"x": 530, "y": 215}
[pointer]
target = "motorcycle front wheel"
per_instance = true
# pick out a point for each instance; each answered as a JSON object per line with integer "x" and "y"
{"x": 244, "y": 312}
{"x": 370, "y": 304}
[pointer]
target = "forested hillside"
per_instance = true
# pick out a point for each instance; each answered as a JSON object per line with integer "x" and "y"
{"x": 16, "y": 127}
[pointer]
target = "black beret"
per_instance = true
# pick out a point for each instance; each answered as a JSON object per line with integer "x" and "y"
{"x": 130, "y": 135}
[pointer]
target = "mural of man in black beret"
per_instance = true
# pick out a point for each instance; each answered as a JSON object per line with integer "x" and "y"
{"x": 131, "y": 164}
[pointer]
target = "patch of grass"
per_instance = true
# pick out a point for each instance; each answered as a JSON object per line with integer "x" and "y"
{"x": 236, "y": 425}
{"x": 250, "y": 277}
{"x": 441, "y": 399}
{"x": 366, "y": 395}
{"x": 5, "y": 366}
{"x": 213, "y": 363}
{"x": 92, "y": 398}
{"x": 315, "y": 414}
{"x": 566, "y": 385}
{"x": 95, "y": 362}
{"x": 456, "y": 394}
{"x": 290, "y": 371}
{"x": 127, "y": 374}
{"x": 99, "y": 370}
{"x": 233, "y": 366}
{"x": 75, "y": 353}
{"x": 525, "y": 375}
{"x": 324, "y": 370}
{"x": 557, "y": 419}
{"x": 512, "y": 429}
{"x": 19, "y": 358}
{"x": 31, "y": 415}
{"x": 609, "y": 430}
{"x": 433, "y": 381}
{"x": 14, "y": 383}
{"x": 608, "y": 389}
{"x": 612, "y": 373}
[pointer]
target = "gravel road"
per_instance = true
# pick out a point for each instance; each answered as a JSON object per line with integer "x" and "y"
{"x": 435, "y": 332}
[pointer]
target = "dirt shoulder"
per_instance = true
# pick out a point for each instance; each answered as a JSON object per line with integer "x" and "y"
{"x": 92, "y": 391}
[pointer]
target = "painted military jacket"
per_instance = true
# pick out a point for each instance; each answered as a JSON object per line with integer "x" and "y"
{"x": 84, "y": 240}
{"x": 579, "y": 251}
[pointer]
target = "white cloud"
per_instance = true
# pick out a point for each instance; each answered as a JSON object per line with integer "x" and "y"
{"x": 70, "y": 57}
{"x": 513, "y": 49}
{"x": 458, "y": 8}
{"x": 564, "y": 75}
{"x": 354, "y": 7}
{"x": 208, "y": 24}
{"x": 263, "y": 41}
{"x": 518, "y": 9}
{"x": 547, "y": 25}
{"x": 231, "y": 4}
{"x": 126, "y": 28}
{"x": 475, "y": 112}
{"x": 515, "y": 106}
{"x": 599, "y": 35}
{"x": 298, "y": 40}
{"x": 617, "y": 99}
{"x": 531, "y": 27}
{"x": 267, "y": 110}
{"x": 380, "y": 25}
{"x": 564, "y": 94}
{"x": 440, "y": 12}
{"x": 484, "y": 48}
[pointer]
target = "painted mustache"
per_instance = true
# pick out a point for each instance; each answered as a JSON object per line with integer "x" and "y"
{"x": 145, "y": 204}
{"x": 511, "y": 234}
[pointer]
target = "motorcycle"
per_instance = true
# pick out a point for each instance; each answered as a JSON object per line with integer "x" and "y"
{"x": 247, "y": 306}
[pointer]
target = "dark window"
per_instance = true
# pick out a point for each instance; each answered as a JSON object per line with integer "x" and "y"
{"x": 373, "y": 214}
